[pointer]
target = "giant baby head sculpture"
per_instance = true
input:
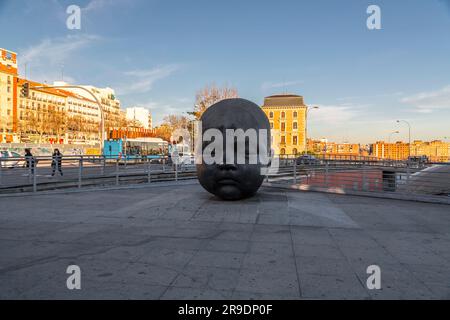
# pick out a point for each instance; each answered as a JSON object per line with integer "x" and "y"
{"x": 234, "y": 149}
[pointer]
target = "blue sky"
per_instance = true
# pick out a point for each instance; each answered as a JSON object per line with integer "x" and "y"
{"x": 157, "y": 54}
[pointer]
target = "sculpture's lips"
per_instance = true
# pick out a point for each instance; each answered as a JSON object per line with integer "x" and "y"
{"x": 227, "y": 181}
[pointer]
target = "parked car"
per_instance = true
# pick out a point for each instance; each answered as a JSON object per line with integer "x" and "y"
{"x": 307, "y": 159}
{"x": 11, "y": 163}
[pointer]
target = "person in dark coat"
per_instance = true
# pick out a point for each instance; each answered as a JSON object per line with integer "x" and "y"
{"x": 30, "y": 160}
{"x": 56, "y": 162}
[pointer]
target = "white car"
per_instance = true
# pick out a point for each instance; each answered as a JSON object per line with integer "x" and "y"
{"x": 12, "y": 163}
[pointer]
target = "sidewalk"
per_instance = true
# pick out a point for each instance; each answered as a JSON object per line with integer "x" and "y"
{"x": 175, "y": 242}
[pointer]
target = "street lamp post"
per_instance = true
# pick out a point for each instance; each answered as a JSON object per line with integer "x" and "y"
{"x": 102, "y": 116}
{"x": 390, "y": 135}
{"x": 409, "y": 136}
{"x": 306, "y": 126}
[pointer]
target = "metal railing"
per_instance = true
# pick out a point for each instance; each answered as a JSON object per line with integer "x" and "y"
{"x": 353, "y": 175}
{"x": 340, "y": 175}
{"x": 45, "y": 173}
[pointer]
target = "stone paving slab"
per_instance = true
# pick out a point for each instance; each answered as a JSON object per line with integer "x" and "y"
{"x": 179, "y": 242}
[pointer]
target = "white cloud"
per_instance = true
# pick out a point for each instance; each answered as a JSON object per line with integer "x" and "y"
{"x": 427, "y": 102}
{"x": 55, "y": 50}
{"x": 336, "y": 115}
{"x": 46, "y": 58}
{"x": 141, "y": 81}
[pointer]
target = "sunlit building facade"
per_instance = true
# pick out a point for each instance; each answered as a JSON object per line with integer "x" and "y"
{"x": 49, "y": 114}
{"x": 287, "y": 117}
{"x": 435, "y": 151}
{"x": 8, "y": 95}
{"x": 325, "y": 147}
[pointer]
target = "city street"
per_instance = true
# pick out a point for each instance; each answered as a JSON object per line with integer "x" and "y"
{"x": 176, "y": 241}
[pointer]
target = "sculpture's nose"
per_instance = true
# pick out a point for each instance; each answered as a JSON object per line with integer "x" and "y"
{"x": 227, "y": 166}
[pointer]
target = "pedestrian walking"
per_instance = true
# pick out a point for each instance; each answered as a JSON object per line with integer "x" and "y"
{"x": 56, "y": 162}
{"x": 30, "y": 160}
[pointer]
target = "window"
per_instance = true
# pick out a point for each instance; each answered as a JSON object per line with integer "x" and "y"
{"x": 294, "y": 151}
{"x": 283, "y": 139}
{"x": 294, "y": 140}
{"x": 294, "y": 125}
{"x": 271, "y": 125}
{"x": 283, "y": 114}
{"x": 282, "y": 151}
{"x": 270, "y": 114}
{"x": 283, "y": 126}
{"x": 295, "y": 114}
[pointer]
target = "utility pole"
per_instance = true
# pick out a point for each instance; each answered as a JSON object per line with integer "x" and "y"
{"x": 409, "y": 136}
{"x": 390, "y": 135}
{"x": 306, "y": 126}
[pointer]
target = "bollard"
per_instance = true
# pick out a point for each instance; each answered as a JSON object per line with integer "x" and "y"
{"x": 327, "y": 180}
{"x": 117, "y": 172}
{"x": 1, "y": 171}
{"x": 164, "y": 164}
{"x": 80, "y": 171}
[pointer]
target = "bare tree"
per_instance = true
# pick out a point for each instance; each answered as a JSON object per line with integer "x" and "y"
{"x": 210, "y": 95}
{"x": 176, "y": 121}
{"x": 57, "y": 120}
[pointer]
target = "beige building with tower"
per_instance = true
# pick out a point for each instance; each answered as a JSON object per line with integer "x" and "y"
{"x": 287, "y": 117}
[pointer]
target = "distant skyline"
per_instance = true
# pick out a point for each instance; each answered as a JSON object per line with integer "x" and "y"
{"x": 157, "y": 53}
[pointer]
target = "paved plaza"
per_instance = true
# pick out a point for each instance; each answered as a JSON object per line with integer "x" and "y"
{"x": 176, "y": 241}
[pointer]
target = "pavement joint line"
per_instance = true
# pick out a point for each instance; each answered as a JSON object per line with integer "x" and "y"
{"x": 188, "y": 261}
{"x": 355, "y": 273}
{"x": 295, "y": 263}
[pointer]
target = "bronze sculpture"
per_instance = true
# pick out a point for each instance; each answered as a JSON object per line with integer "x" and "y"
{"x": 228, "y": 177}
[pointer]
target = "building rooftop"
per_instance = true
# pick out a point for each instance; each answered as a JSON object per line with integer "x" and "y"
{"x": 283, "y": 100}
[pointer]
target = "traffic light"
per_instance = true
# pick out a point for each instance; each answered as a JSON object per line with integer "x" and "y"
{"x": 25, "y": 89}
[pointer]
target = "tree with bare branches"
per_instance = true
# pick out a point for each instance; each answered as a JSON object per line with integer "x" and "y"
{"x": 210, "y": 95}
